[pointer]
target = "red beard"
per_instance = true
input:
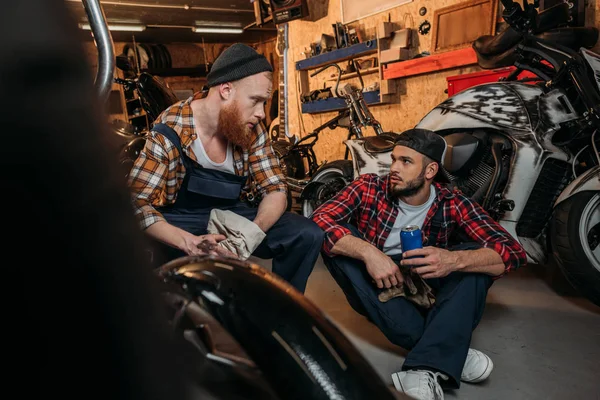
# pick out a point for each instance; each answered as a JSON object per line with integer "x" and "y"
{"x": 234, "y": 129}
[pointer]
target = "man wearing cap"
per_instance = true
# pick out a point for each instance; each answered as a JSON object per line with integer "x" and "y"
{"x": 464, "y": 251}
{"x": 206, "y": 153}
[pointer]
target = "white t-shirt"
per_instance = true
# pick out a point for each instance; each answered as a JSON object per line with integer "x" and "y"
{"x": 203, "y": 160}
{"x": 407, "y": 215}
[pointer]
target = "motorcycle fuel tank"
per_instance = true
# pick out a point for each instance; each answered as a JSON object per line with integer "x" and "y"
{"x": 496, "y": 105}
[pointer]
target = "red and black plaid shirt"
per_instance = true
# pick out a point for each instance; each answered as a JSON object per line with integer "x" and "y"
{"x": 366, "y": 204}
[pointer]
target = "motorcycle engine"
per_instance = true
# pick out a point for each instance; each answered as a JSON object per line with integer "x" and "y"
{"x": 469, "y": 162}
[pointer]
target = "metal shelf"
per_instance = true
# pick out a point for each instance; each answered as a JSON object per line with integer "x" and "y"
{"x": 337, "y": 103}
{"x": 346, "y": 53}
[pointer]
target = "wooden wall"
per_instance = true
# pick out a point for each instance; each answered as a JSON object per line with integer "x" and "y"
{"x": 416, "y": 95}
{"x": 186, "y": 55}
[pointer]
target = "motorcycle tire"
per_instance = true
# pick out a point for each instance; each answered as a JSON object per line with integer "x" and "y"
{"x": 328, "y": 173}
{"x": 575, "y": 239}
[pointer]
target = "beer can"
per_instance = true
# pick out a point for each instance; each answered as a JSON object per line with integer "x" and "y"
{"x": 410, "y": 237}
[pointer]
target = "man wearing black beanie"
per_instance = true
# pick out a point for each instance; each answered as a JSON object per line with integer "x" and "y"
{"x": 208, "y": 153}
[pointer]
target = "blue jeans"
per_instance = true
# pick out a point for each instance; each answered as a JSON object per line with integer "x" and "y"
{"x": 438, "y": 338}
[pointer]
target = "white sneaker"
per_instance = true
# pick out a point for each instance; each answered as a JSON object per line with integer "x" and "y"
{"x": 477, "y": 367}
{"x": 419, "y": 384}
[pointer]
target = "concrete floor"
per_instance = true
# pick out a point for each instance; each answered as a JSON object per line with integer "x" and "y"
{"x": 543, "y": 338}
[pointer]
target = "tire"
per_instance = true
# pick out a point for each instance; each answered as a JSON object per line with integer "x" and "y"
{"x": 329, "y": 173}
{"x": 575, "y": 237}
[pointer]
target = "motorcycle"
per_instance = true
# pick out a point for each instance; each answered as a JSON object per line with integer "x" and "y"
{"x": 299, "y": 162}
{"x": 155, "y": 96}
{"x": 528, "y": 153}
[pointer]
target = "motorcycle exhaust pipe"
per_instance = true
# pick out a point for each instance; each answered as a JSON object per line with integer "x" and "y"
{"x": 104, "y": 43}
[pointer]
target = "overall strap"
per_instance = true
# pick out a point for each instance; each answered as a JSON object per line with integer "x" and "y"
{"x": 170, "y": 134}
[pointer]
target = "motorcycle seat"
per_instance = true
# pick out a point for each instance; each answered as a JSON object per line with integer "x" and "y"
{"x": 381, "y": 143}
{"x": 572, "y": 37}
{"x": 548, "y": 19}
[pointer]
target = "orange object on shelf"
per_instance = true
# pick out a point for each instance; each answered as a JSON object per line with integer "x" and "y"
{"x": 436, "y": 62}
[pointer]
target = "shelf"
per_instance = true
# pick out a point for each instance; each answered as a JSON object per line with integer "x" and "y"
{"x": 334, "y": 56}
{"x": 337, "y": 103}
{"x": 137, "y": 116}
{"x": 433, "y": 63}
{"x": 367, "y": 71}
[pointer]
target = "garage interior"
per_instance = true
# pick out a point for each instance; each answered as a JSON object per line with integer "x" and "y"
{"x": 541, "y": 333}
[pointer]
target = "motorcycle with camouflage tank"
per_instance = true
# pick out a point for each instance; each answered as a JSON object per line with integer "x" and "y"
{"x": 527, "y": 152}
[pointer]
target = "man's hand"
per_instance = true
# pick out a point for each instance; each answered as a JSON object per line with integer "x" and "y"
{"x": 382, "y": 269}
{"x": 205, "y": 244}
{"x": 432, "y": 262}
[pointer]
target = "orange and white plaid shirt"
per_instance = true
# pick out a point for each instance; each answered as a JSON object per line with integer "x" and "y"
{"x": 158, "y": 172}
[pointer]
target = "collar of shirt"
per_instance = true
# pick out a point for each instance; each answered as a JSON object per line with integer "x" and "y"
{"x": 184, "y": 123}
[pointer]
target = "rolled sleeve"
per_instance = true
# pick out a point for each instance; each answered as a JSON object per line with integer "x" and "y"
{"x": 333, "y": 233}
{"x": 264, "y": 166}
{"x": 337, "y": 209}
{"x": 480, "y": 227}
{"x": 153, "y": 180}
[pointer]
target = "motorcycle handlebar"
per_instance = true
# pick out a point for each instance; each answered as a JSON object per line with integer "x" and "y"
{"x": 522, "y": 19}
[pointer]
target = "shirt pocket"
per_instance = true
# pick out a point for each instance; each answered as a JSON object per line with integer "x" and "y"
{"x": 445, "y": 230}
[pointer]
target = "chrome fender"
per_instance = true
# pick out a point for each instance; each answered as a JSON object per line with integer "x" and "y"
{"x": 588, "y": 181}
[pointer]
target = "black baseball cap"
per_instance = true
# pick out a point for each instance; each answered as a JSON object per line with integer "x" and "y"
{"x": 429, "y": 144}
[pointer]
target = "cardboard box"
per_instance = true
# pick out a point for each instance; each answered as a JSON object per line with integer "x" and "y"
{"x": 401, "y": 38}
{"x": 393, "y": 54}
{"x": 385, "y": 29}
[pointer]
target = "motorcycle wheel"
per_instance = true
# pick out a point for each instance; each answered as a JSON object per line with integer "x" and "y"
{"x": 335, "y": 176}
{"x": 575, "y": 238}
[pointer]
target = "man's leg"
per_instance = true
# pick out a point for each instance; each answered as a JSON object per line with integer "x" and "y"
{"x": 294, "y": 243}
{"x": 460, "y": 301}
{"x": 399, "y": 319}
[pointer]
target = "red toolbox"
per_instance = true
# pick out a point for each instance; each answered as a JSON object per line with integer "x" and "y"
{"x": 458, "y": 83}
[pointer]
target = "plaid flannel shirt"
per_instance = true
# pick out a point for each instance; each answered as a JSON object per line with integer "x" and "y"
{"x": 158, "y": 172}
{"x": 367, "y": 205}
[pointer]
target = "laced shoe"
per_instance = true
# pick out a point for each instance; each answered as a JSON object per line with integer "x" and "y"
{"x": 419, "y": 384}
{"x": 478, "y": 367}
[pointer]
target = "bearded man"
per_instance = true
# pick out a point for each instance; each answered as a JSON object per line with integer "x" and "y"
{"x": 209, "y": 152}
{"x": 465, "y": 251}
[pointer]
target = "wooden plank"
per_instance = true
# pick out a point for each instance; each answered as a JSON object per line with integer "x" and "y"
{"x": 437, "y": 62}
{"x": 450, "y": 33}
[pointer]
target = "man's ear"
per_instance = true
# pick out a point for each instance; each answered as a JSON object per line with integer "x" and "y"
{"x": 226, "y": 90}
{"x": 431, "y": 170}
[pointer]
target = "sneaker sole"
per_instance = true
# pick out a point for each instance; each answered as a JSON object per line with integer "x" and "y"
{"x": 396, "y": 382}
{"x": 486, "y": 373}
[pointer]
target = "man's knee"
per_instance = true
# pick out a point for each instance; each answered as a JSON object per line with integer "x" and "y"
{"x": 405, "y": 335}
{"x": 309, "y": 232}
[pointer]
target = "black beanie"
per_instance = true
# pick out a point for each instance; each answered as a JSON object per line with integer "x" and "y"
{"x": 236, "y": 62}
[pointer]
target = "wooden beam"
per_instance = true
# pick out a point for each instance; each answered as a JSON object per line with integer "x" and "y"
{"x": 437, "y": 62}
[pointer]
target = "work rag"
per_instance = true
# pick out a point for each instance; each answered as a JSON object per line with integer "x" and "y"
{"x": 242, "y": 235}
{"x": 414, "y": 288}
